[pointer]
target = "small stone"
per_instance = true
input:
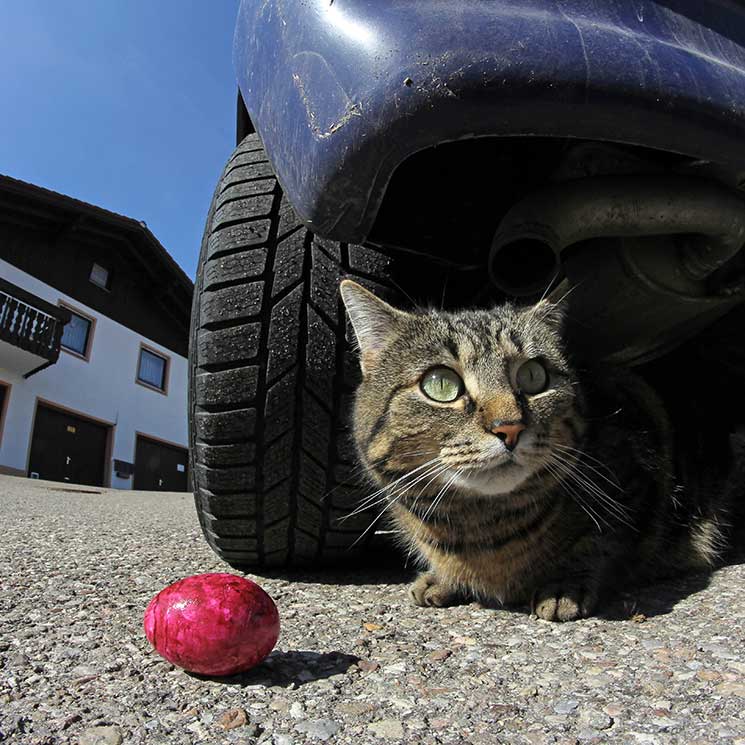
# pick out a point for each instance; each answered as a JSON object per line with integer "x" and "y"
{"x": 439, "y": 655}
{"x": 318, "y": 729}
{"x": 566, "y": 706}
{"x": 83, "y": 671}
{"x": 389, "y": 728}
{"x": 19, "y": 660}
{"x": 587, "y": 734}
{"x": 664, "y": 722}
{"x": 468, "y": 641}
{"x": 72, "y": 719}
{"x": 644, "y": 738}
{"x": 372, "y": 627}
{"x": 297, "y": 710}
{"x": 731, "y": 689}
{"x": 101, "y": 736}
{"x": 408, "y": 82}
{"x": 356, "y": 708}
{"x": 503, "y": 710}
{"x": 367, "y": 666}
{"x": 233, "y": 718}
{"x": 708, "y": 675}
{"x": 652, "y": 644}
{"x": 654, "y": 687}
{"x": 595, "y": 719}
{"x": 282, "y": 740}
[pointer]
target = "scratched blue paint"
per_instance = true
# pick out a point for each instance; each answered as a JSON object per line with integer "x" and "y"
{"x": 342, "y": 91}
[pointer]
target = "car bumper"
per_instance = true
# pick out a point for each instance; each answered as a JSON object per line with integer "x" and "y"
{"x": 341, "y": 92}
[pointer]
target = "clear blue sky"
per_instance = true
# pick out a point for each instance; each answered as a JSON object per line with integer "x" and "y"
{"x": 127, "y": 104}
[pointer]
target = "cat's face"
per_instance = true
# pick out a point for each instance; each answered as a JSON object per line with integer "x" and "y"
{"x": 479, "y": 400}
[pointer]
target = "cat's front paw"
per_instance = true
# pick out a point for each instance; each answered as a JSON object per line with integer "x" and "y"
{"x": 564, "y": 602}
{"x": 428, "y": 590}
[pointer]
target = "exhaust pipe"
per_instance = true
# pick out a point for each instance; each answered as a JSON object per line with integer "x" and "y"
{"x": 526, "y": 250}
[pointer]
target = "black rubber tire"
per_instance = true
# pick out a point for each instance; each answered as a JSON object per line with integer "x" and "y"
{"x": 271, "y": 376}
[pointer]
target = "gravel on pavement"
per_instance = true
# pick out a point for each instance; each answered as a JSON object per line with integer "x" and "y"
{"x": 355, "y": 662}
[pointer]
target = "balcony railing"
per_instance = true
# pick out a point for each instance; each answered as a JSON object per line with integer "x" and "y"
{"x": 30, "y": 323}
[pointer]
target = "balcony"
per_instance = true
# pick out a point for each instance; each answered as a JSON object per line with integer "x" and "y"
{"x": 30, "y": 330}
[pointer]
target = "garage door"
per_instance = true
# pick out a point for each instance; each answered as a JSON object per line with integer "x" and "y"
{"x": 160, "y": 467}
{"x": 67, "y": 447}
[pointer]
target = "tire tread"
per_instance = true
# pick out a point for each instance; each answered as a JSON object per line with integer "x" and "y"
{"x": 271, "y": 370}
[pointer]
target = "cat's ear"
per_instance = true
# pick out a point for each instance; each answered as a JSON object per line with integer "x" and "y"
{"x": 373, "y": 320}
{"x": 550, "y": 312}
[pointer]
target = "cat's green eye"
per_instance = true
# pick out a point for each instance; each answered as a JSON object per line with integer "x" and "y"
{"x": 442, "y": 384}
{"x": 531, "y": 377}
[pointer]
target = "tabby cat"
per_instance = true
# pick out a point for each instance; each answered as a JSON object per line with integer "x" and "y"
{"x": 508, "y": 475}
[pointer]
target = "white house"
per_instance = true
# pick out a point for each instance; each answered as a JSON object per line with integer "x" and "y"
{"x": 94, "y": 318}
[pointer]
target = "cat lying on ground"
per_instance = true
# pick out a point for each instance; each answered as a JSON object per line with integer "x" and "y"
{"x": 511, "y": 477}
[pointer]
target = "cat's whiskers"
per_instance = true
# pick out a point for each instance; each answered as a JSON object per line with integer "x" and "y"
{"x": 584, "y": 455}
{"x": 569, "y": 466}
{"x": 412, "y": 540}
{"x": 611, "y": 504}
{"x": 419, "y": 535}
{"x": 398, "y": 494}
{"x": 550, "y": 467}
{"x": 438, "y": 473}
{"x": 366, "y": 467}
{"x": 350, "y": 480}
{"x": 373, "y": 499}
{"x": 574, "y": 473}
{"x": 396, "y": 489}
{"x": 440, "y": 495}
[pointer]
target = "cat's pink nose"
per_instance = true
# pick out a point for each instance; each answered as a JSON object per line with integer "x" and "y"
{"x": 507, "y": 432}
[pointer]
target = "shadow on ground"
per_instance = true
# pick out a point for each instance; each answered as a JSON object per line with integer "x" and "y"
{"x": 653, "y": 600}
{"x": 382, "y": 566}
{"x": 292, "y": 667}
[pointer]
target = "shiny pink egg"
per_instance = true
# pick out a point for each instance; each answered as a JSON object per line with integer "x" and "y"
{"x": 212, "y": 624}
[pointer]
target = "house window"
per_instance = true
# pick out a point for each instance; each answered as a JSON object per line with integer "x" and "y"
{"x": 152, "y": 369}
{"x": 100, "y": 276}
{"x": 77, "y": 334}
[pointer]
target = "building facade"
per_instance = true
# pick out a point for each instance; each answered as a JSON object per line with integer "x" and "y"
{"x": 94, "y": 319}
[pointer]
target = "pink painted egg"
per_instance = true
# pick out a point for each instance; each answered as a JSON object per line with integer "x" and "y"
{"x": 212, "y": 624}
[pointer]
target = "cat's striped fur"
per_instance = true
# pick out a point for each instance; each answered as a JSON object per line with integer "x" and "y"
{"x": 586, "y": 499}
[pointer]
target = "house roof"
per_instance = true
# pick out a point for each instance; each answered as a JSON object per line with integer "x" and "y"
{"x": 59, "y": 212}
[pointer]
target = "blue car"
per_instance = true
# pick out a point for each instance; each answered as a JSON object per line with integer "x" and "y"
{"x": 455, "y": 154}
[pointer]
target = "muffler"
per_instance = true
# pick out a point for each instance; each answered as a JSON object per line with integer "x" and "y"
{"x": 526, "y": 250}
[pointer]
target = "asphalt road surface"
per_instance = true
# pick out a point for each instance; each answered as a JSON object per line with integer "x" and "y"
{"x": 355, "y": 662}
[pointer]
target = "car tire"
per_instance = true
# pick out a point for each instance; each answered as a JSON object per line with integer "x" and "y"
{"x": 272, "y": 375}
